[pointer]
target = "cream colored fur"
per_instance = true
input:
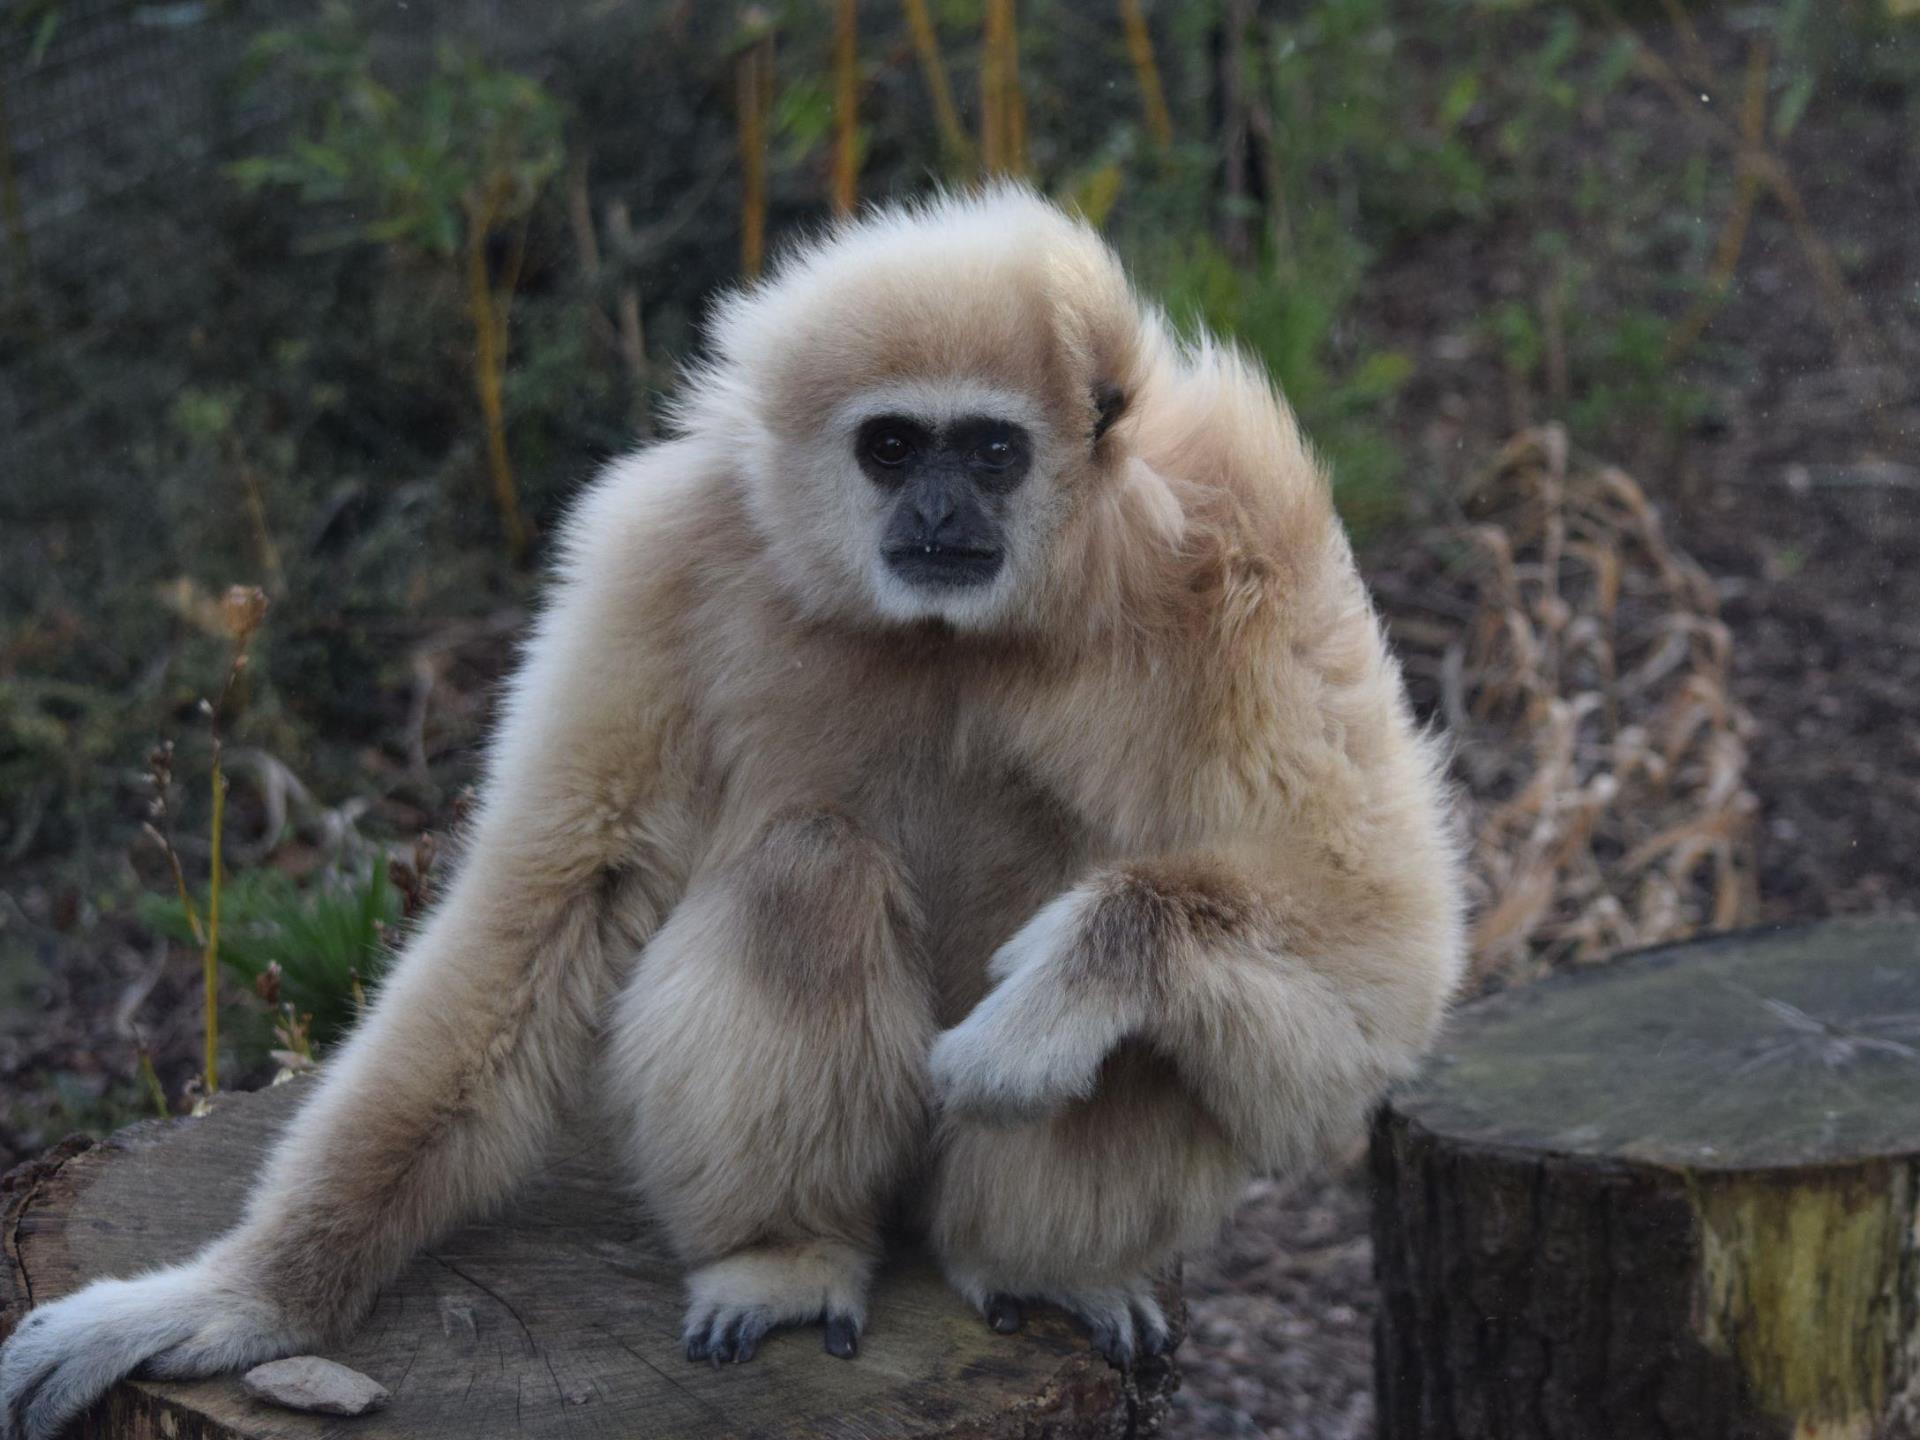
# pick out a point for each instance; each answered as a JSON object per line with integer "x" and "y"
{"x": 1146, "y": 823}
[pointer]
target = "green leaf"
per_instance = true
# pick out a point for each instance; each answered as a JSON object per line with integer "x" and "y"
{"x": 1461, "y": 96}
{"x": 43, "y": 34}
{"x": 1793, "y": 104}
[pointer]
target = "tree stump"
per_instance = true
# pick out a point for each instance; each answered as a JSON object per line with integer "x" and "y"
{"x": 560, "y": 1318}
{"x": 1673, "y": 1196}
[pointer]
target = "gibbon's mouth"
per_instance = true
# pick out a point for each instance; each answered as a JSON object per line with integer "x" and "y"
{"x": 943, "y": 567}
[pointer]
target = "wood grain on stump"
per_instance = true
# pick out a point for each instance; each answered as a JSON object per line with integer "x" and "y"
{"x": 1676, "y": 1196}
{"x": 562, "y": 1318}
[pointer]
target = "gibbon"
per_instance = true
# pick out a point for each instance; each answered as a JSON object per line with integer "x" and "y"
{"x": 960, "y": 774}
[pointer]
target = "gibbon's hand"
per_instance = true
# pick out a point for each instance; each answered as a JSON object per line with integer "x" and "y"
{"x": 178, "y": 1323}
{"x": 1036, "y": 1041}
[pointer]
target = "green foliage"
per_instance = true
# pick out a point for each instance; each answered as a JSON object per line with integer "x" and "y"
{"x": 322, "y": 937}
{"x": 469, "y": 142}
{"x": 1288, "y": 321}
{"x": 1354, "y": 133}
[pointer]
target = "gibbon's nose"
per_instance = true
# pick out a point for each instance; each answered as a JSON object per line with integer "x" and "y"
{"x": 935, "y": 515}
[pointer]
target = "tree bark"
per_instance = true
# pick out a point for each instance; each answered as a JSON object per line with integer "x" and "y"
{"x": 560, "y": 1318}
{"x": 1673, "y": 1196}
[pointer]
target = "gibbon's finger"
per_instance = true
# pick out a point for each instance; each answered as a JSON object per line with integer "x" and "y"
{"x": 843, "y": 1336}
{"x": 1113, "y": 1337}
{"x": 1156, "y": 1338}
{"x": 722, "y": 1350}
{"x": 699, "y": 1335}
{"x": 728, "y": 1337}
{"x": 748, "y": 1333}
{"x": 1004, "y": 1314}
{"x": 1124, "y": 1322}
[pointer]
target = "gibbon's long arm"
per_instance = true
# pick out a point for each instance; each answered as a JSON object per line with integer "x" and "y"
{"x": 1296, "y": 948}
{"x": 1285, "y": 1032}
{"x": 444, "y": 1095}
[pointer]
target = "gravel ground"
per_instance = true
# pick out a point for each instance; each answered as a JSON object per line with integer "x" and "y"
{"x": 1280, "y": 1333}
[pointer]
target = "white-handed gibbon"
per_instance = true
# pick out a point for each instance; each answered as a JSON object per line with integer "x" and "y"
{"x": 961, "y": 770}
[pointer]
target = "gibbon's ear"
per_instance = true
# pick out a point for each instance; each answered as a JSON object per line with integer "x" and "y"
{"x": 1109, "y": 402}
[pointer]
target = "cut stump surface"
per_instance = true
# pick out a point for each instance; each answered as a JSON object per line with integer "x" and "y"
{"x": 562, "y": 1318}
{"x": 1674, "y": 1196}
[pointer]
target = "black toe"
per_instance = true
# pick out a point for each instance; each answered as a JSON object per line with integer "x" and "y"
{"x": 843, "y": 1336}
{"x": 1004, "y": 1314}
{"x": 1155, "y": 1340}
{"x": 1116, "y": 1343}
{"x": 746, "y": 1341}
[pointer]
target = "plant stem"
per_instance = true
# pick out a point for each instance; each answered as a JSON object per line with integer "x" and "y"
{"x": 1733, "y": 235}
{"x": 156, "y": 1092}
{"x": 1014, "y": 99}
{"x": 846, "y": 104}
{"x": 753, "y": 79}
{"x": 946, "y": 115}
{"x": 487, "y": 366}
{"x": 993, "y": 116}
{"x": 11, "y": 210}
{"x": 210, "y": 958}
{"x": 1152, "y": 94}
{"x": 632, "y": 337}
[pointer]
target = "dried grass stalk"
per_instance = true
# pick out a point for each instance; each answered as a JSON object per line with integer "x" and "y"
{"x": 1583, "y": 671}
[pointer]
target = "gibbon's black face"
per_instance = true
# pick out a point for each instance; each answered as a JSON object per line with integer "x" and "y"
{"x": 949, "y": 486}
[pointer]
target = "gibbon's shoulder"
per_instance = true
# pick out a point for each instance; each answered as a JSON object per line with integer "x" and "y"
{"x": 1218, "y": 453}
{"x": 649, "y": 535}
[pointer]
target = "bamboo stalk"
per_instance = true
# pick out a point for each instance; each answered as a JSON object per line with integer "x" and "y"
{"x": 489, "y": 362}
{"x": 632, "y": 338}
{"x": 1152, "y": 94}
{"x": 946, "y": 115}
{"x": 1016, "y": 100}
{"x": 1003, "y": 110}
{"x": 846, "y": 103}
{"x": 1236, "y": 234}
{"x": 12, "y": 211}
{"x": 994, "y": 157}
{"x": 752, "y": 81}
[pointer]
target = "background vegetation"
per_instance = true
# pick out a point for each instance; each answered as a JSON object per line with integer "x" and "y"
{"x": 346, "y": 304}
{"x": 363, "y": 360}
{"x": 1605, "y": 314}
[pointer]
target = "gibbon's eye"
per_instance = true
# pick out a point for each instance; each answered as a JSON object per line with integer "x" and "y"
{"x": 995, "y": 454}
{"x": 891, "y": 448}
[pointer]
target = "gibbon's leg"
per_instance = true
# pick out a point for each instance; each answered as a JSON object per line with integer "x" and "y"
{"x": 444, "y": 1094}
{"x": 1282, "y": 1010}
{"x": 1082, "y": 1208}
{"x": 770, "y": 1051}
{"x": 438, "y": 1103}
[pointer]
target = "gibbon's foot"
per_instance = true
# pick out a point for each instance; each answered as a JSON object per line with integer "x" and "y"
{"x": 738, "y": 1300}
{"x": 1125, "y": 1322}
{"x": 176, "y": 1324}
{"x": 1125, "y": 1327}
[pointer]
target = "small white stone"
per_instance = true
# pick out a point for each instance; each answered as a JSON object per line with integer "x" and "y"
{"x": 321, "y": 1387}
